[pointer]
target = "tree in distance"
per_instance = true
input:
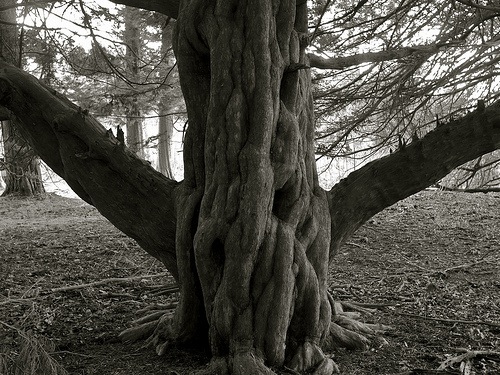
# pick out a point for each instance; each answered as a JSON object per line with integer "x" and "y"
{"x": 249, "y": 233}
{"x": 20, "y": 166}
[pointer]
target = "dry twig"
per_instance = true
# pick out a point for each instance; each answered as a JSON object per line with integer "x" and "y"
{"x": 106, "y": 281}
{"x": 449, "y": 320}
{"x": 465, "y": 359}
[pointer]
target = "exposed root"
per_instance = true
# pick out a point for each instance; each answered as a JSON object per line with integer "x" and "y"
{"x": 137, "y": 333}
{"x": 327, "y": 367}
{"x": 155, "y": 328}
{"x": 154, "y": 316}
{"x": 340, "y": 337}
{"x": 310, "y": 356}
{"x": 162, "y": 335}
{"x": 307, "y": 356}
{"x": 347, "y": 331}
{"x": 357, "y": 326}
{"x": 248, "y": 363}
{"x": 238, "y": 364}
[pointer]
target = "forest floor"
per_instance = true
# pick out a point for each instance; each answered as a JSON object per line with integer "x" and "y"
{"x": 429, "y": 265}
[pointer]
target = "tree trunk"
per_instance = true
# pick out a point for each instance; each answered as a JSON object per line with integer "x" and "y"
{"x": 166, "y": 123}
{"x": 165, "y": 130}
{"x": 135, "y": 138}
{"x": 21, "y": 165}
{"x": 255, "y": 230}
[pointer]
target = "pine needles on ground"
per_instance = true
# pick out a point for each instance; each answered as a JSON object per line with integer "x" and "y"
{"x": 33, "y": 358}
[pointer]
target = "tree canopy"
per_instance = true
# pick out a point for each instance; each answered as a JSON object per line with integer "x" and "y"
{"x": 382, "y": 72}
{"x": 386, "y": 71}
{"x": 395, "y": 70}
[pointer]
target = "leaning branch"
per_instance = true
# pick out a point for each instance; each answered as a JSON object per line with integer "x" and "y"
{"x": 423, "y": 162}
{"x": 110, "y": 280}
{"x": 125, "y": 189}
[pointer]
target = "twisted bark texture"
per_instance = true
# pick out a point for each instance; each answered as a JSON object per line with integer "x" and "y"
{"x": 254, "y": 227}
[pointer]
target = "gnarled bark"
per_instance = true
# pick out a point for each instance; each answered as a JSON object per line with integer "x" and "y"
{"x": 255, "y": 232}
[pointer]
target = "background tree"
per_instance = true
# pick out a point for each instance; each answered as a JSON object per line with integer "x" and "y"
{"x": 132, "y": 40}
{"x": 20, "y": 164}
{"x": 118, "y": 71}
{"x": 249, "y": 233}
{"x": 169, "y": 103}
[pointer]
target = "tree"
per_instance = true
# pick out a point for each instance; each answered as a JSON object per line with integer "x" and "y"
{"x": 20, "y": 163}
{"x": 132, "y": 43}
{"x": 248, "y": 233}
{"x": 168, "y": 102}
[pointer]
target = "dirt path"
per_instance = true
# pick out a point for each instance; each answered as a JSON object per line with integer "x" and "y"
{"x": 431, "y": 260}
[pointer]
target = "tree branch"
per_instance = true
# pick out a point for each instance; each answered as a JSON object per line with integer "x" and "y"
{"x": 339, "y": 63}
{"x": 168, "y": 7}
{"x": 385, "y": 181}
{"x": 479, "y": 6}
{"x": 125, "y": 189}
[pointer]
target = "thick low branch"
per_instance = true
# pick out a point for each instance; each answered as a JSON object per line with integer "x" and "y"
{"x": 339, "y": 63}
{"x": 385, "y": 181}
{"x": 125, "y": 189}
{"x": 168, "y": 7}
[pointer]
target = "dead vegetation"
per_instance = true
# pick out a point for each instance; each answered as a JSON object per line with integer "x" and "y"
{"x": 427, "y": 266}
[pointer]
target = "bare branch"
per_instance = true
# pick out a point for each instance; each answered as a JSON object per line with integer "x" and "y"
{"x": 479, "y": 6}
{"x": 107, "y": 281}
{"x": 167, "y": 7}
{"x": 339, "y": 63}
